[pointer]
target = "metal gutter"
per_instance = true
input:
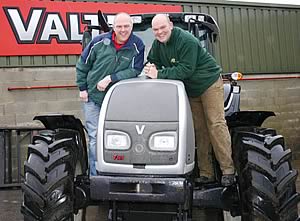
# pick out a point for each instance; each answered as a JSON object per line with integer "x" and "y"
{"x": 216, "y": 2}
{"x": 211, "y": 2}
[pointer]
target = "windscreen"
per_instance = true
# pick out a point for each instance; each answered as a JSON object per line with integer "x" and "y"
{"x": 147, "y": 36}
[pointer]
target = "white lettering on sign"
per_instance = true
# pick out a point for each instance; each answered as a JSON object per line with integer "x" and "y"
{"x": 49, "y": 25}
{"x": 25, "y": 32}
{"x": 73, "y": 26}
{"x": 53, "y": 28}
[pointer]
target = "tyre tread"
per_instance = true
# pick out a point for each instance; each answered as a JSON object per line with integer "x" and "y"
{"x": 266, "y": 178}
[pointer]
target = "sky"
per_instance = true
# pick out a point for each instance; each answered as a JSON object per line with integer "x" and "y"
{"x": 286, "y": 2}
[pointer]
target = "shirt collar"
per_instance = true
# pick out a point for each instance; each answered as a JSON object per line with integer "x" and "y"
{"x": 117, "y": 45}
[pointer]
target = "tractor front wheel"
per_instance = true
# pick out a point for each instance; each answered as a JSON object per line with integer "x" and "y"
{"x": 51, "y": 167}
{"x": 266, "y": 179}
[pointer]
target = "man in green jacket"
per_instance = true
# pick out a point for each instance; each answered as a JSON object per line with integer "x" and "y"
{"x": 108, "y": 58}
{"x": 178, "y": 55}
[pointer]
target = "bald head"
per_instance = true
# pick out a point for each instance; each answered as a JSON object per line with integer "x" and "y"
{"x": 122, "y": 27}
{"x": 122, "y": 16}
{"x": 160, "y": 18}
{"x": 162, "y": 27}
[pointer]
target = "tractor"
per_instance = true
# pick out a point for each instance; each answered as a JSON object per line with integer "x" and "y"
{"x": 146, "y": 165}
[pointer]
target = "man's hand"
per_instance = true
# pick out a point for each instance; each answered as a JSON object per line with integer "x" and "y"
{"x": 83, "y": 95}
{"x": 150, "y": 71}
{"x": 102, "y": 85}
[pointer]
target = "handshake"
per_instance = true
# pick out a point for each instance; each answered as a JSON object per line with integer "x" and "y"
{"x": 150, "y": 70}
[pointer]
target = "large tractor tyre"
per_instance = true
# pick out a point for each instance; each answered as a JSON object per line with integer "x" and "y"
{"x": 49, "y": 172}
{"x": 266, "y": 179}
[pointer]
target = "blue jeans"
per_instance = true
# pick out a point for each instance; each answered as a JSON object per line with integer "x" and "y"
{"x": 91, "y": 113}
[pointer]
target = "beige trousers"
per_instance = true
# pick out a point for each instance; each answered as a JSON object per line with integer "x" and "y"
{"x": 211, "y": 130}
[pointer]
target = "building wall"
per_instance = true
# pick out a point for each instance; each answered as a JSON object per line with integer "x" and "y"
{"x": 18, "y": 107}
{"x": 254, "y": 38}
{"x": 282, "y": 97}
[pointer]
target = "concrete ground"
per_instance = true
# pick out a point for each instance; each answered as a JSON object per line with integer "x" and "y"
{"x": 10, "y": 202}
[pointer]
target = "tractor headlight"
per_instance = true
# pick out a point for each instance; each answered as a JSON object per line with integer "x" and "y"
{"x": 163, "y": 141}
{"x": 116, "y": 140}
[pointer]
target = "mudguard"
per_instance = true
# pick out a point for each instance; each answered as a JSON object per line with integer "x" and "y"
{"x": 56, "y": 121}
{"x": 59, "y": 121}
{"x": 69, "y": 122}
{"x": 248, "y": 118}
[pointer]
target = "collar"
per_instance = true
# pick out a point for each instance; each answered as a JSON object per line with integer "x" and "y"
{"x": 116, "y": 44}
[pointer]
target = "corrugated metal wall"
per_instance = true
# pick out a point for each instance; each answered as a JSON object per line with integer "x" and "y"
{"x": 254, "y": 39}
{"x": 38, "y": 61}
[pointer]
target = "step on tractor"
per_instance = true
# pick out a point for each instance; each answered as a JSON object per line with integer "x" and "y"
{"x": 146, "y": 165}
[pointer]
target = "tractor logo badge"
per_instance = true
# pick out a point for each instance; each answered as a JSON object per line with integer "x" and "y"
{"x": 118, "y": 157}
{"x": 139, "y": 129}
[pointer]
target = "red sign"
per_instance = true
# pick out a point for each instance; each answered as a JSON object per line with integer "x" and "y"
{"x": 34, "y": 27}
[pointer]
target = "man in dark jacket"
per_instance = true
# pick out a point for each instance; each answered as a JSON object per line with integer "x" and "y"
{"x": 177, "y": 54}
{"x": 109, "y": 57}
